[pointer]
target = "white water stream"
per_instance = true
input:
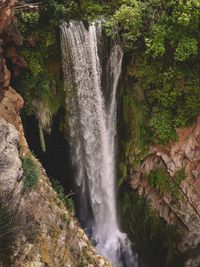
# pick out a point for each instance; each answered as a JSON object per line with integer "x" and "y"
{"x": 93, "y": 132}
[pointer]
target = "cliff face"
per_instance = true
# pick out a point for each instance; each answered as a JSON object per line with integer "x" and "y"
{"x": 184, "y": 209}
{"x": 10, "y": 102}
{"x": 45, "y": 233}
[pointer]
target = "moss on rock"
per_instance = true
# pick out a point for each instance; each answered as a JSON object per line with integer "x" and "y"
{"x": 154, "y": 240}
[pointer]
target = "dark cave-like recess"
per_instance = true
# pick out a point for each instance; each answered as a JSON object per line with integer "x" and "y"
{"x": 56, "y": 159}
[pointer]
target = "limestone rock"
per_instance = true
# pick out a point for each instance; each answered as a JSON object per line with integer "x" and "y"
{"x": 10, "y": 164}
{"x": 11, "y": 104}
{"x": 58, "y": 239}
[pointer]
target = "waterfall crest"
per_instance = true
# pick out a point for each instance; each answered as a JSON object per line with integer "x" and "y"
{"x": 93, "y": 132}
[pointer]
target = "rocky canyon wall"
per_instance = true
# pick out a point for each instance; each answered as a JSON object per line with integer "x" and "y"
{"x": 184, "y": 208}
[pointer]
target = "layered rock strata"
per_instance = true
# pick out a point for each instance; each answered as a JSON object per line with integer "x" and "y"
{"x": 184, "y": 210}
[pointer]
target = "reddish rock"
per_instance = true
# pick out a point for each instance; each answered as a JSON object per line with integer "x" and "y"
{"x": 10, "y": 106}
{"x": 6, "y": 13}
{"x": 185, "y": 209}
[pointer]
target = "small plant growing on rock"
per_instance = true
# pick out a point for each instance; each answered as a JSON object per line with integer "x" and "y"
{"x": 31, "y": 172}
{"x": 159, "y": 179}
{"x": 66, "y": 199}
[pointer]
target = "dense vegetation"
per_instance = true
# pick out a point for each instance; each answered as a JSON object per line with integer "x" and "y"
{"x": 41, "y": 83}
{"x": 161, "y": 39}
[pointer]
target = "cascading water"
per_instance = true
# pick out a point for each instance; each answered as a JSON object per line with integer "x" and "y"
{"x": 93, "y": 132}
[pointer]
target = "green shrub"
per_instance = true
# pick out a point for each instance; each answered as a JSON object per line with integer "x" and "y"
{"x": 28, "y": 22}
{"x": 91, "y": 9}
{"x": 187, "y": 47}
{"x": 31, "y": 173}
{"x": 160, "y": 179}
{"x": 180, "y": 176}
{"x": 127, "y": 20}
{"x": 66, "y": 199}
{"x": 122, "y": 170}
{"x": 161, "y": 125}
{"x": 53, "y": 11}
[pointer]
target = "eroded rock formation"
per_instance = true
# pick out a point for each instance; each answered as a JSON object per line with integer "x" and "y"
{"x": 11, "y": 103}
{"x": 183, "y": 210}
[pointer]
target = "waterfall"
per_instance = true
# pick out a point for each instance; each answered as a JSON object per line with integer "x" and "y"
{"x": 92, "y": 122}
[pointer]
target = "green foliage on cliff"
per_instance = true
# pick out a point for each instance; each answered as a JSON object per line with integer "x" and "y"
{"x": 162, "y": 39}
{"x": 54, "y": 11}
{"x": 179, "y": 175}
{"x": 154, "y": 240}
{"x": 28, "y": 22}
{"x": 163, "y": 27}
{"x": 41, "y": 83}
{"x": 133, "y": 128}
{"x": 161, "y": 180}
{"x": 126, "y": 20}
{"x": 31, "y": 173}
{"x": 172, "y": 97}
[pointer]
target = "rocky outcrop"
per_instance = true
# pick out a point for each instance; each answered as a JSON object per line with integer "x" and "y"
{"x": 184, "y": 210}
{"x": 10, "y": 164}
{"x": 48, "y": 234}
{"x": 11, "y": 103}
{"x": 10, "y": 106}
{"x": 6, "y": 13}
